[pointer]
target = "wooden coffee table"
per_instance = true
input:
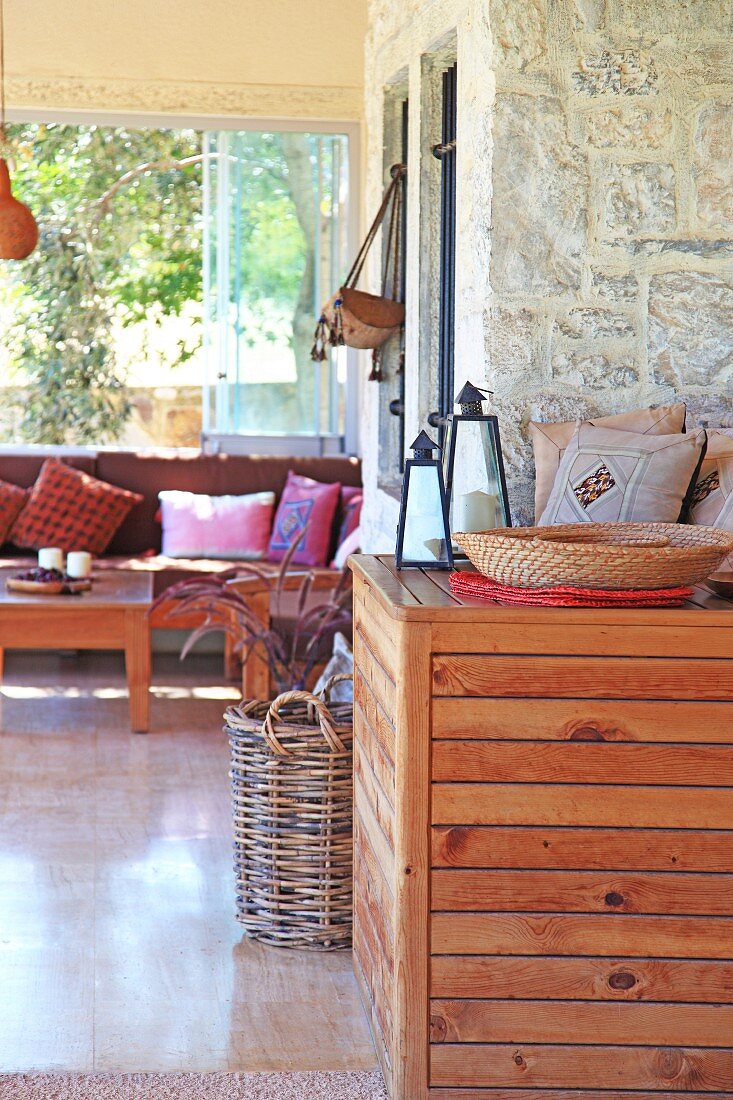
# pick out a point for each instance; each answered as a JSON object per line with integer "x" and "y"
{"x": 113, "y": 615}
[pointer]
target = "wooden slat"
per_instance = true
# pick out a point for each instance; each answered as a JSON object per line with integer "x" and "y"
{"x": 377, "y": 839}
{"x": 379, "y": 724}
{"x": 525, "y": 977}
{"x": 378, "y": 878}
{"x": 376, "y": 627}
{"x": 565, "y": 720}
{"x": 375, "y": 897}
{"x": 422, "y": 586}
{"x": 386, "y": 587}
{"x": 563, "y": 1094}
{"x": 379, "y": 681}
{"x": 382, "y": 1042}
{"x": 367, "y": 742}
{"x": 582, "y": 762}
{"x": 582, "y": 849}
{"x": 454, "y": 1021}
{"x": 558, "y": 934}
{"x": 583, "y": 677}
{"x": 581, "y": 1067}
{"x": 559, "y": 804}
{"x": 582, "y": 639}
{"x": 380, "y": 804}
{"x": 582, "y": 892}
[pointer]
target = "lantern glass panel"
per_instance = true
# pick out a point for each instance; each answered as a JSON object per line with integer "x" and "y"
{"x": 424, "y": 520}
{"x": 473, "y": 475}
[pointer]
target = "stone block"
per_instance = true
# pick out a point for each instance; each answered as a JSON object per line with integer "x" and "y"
{"x": 675, "y": 16}
{"x": 593, "y": 324}
{"x": 519, "y": 32}
{"x": 630, "y": 126}
{"x": 509, "y": 347}
{"x": 640, "y": 198}
{"x": 614, "y": 288}
{"x": 596, "y": 372}
{"x": 539, "y": 198}
{"x": 713, "y": 409}
{"x": 690, "y": 339}
{"x": 713, "y": 166}
{"x": 625, "y": 72}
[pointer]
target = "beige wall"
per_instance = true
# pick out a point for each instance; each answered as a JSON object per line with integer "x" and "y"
{"x": 287, "y": 58}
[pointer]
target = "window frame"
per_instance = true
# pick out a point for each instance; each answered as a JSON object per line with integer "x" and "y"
{"x": 298, "y": 444}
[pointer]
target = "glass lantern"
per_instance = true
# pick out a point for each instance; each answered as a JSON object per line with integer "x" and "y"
{"x": 423, "y": 534}
{"x": 475, "y": 484}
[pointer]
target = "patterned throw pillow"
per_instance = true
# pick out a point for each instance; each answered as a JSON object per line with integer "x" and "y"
{"x": 72, "y": 510}
{"x": 712, "y": 497}
{"x": 607, "y": 476}
{"x": 352, "y": 499}
{"x": 310, "y": 504}
{"x": 12, "y": 500}
{"x": 550, "y": 440}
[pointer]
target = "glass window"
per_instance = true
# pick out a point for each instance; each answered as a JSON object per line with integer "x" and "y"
{"x": 275, "y": 248}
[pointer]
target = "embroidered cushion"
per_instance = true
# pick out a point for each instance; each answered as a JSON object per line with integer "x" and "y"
{"x": 72, "y": 510}
{"x": 550, "y": 440}
{"x": 609, "y": 476}
{"x": 712, "y": 497}
{"x": 349, "y": 513}
{"x": 196, "y": 525}
{"x": 305, "y": 504}
{"x": 12, "y": 500}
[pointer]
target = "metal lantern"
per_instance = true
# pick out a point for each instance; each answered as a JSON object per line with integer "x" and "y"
{"x": 423, "y": 534}
{"x": 475, "y": 484}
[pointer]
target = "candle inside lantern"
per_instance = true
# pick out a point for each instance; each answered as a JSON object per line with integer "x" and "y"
{"x": 51, "y": 557}
{"x": 475, "y": 511}
{"x": 78, "y": 564}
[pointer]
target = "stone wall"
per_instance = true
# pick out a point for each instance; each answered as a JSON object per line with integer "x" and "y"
{"x": 595, "y": 207}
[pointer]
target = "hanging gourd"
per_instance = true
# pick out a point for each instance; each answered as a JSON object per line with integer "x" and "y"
{"x": 18, "y": 229}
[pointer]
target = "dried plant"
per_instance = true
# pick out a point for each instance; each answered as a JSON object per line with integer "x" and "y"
{"x": 290, "y": 656}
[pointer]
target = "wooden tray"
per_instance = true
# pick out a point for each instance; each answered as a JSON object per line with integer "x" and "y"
{"x": 48, "y": 588}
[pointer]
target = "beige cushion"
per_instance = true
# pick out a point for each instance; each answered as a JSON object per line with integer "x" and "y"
{"x": 712, "y": 497}
{"x": 607, "y": 476}
{"x": 550, "y": 440}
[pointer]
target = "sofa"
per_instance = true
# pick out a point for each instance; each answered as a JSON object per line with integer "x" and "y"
{"x": 137, "y": 543}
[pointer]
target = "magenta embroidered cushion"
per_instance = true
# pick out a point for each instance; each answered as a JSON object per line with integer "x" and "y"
{"x": 305, "y": 515}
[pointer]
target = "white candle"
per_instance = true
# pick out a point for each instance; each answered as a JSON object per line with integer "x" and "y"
{"x": 78, "y": 563}
{"x": 475, "y": 511}
{"x": 50, "y": 557}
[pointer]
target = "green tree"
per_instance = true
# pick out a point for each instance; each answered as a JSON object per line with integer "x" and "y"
{"x": 110, "y": 247}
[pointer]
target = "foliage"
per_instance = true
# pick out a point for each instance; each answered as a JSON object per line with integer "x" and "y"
{"x": 136, "y": 254}
{"x": 290, "y": 656}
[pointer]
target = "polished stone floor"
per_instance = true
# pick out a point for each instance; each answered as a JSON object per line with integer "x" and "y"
{"x": 118, "y": 945}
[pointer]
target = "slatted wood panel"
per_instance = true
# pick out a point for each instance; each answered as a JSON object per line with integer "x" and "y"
{"x": 581, "y": 845}
{"x": 374, "y": 830}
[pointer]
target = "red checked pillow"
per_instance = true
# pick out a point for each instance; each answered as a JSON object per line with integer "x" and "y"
{"x": 12, "y": 500}
{"x": 71, "y": 510}
{"x": 310, "y": 504}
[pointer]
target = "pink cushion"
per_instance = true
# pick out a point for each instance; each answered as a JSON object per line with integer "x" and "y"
{"x": 350, "y": 504}
{"x": 305, "y": 503}
{"x": 196, "y": 525}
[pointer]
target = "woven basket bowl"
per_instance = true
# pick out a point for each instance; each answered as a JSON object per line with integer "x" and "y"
{"x": 292, "y": 794}
{"x": 598, "y": 555}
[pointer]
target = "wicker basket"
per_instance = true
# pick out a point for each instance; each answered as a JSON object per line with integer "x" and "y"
{"x": 292, "y": 786}
{"x": 598, "y": 555}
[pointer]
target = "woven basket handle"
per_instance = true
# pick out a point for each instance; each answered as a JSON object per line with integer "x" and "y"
{"x": 325, "y": 721}
{"x": 330, "y": 684}
{"x": 658, "y": 542}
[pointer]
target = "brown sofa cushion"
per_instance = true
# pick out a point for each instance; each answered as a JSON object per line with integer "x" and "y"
{"x": 217, "y": 475}
{"x": 23, "y": 469}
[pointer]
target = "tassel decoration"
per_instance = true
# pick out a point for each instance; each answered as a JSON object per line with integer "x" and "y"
{"x": 337, "y": 328}
{"x": 376, "y": 371}
{"x": 320, "y": 340}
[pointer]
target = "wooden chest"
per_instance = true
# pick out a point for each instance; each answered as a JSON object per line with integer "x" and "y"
{"x": 544, "y": 844}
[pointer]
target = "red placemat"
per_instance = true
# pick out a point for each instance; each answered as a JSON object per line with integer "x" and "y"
{"x": 479, "y": 587}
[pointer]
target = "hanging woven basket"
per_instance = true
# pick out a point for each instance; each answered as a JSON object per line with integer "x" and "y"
{"x": 292, "y": 789}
